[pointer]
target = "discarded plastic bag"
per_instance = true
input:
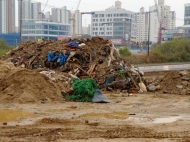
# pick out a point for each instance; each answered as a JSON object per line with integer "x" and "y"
{"x": 142, "y": 87}
{"x": 99, "y": 98}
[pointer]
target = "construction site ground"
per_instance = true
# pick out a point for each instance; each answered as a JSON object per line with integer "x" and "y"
{"x": 130, "y": 117}
{"x": 34, "y": 88}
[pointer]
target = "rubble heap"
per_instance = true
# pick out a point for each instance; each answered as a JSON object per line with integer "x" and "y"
{"x": 173, "y": 82}
{"x": 94, "y": 58}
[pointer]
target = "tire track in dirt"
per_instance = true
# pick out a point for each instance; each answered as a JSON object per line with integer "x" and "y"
{"x": 56, "y": 129}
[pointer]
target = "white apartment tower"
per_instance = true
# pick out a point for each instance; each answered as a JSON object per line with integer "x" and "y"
{"x": 36, "y": 11}
{"x": 187, "y": 21}
{"x": 7, "y": 16}
{"x": 56, "y": 15}
{"x": 30, "y": 10}
{"x": 65, "y": 15}
{"x": 78, "y": 19}
{"x": 167, "y": 18}
{"x": 142, "y": 25}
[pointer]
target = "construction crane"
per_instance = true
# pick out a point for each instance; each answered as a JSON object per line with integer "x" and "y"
{"x": 45, "y": 6}
{"x": 43, "y": 9}
{"x": 160, "y": 21}
{"x": 74, "y": 20}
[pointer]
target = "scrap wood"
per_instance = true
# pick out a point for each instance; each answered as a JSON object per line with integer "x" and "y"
{"x": 92, "y": 67}
{"x": 32, "y": 59}
{"x": 83, "y": 70}
{"x": 134, "y": 83}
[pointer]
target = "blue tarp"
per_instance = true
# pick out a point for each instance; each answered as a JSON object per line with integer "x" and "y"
{"x": 73, "y": 44}
{"x": 61, "y": 59}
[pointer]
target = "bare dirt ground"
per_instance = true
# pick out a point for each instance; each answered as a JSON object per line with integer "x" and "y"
{"x": 135, "y": 118}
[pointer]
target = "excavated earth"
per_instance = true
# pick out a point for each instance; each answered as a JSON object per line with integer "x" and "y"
{"x": 35, "y": 111}
{"x": 135, "y": 118}
{"x": 32, "y": 109}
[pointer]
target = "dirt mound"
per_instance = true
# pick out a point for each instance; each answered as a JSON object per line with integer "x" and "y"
{"x": 176, "y": 82}
{"x": 23, "y": 86}
{"x": 171, "y": 82}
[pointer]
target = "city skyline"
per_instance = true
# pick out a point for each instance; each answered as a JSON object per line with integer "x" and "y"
{"x": 132, "y": 5}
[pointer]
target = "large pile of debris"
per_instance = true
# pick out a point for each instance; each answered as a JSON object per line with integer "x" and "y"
{"x": 94, "y": 58}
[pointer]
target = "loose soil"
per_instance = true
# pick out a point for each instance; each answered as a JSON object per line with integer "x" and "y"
{"x": 26, "y": 86}
{"x": 126, "y": 119}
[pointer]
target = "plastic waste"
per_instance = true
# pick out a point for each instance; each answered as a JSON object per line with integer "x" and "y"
{"x": 142, "y": 87}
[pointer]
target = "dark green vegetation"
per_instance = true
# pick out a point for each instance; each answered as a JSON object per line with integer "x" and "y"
{"x": 175, "y": 51}
{"x": 4, "y": 47}
{"x": 124, "y": 51}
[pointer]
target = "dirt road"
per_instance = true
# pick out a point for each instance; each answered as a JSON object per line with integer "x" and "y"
{"x": 135, "y": 118}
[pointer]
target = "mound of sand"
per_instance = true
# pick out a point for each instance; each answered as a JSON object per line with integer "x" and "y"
{"x": 26, "y": 86}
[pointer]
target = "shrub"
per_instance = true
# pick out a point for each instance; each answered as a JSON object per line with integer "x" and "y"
{"x": 177, "y": 50}
{"x": 124, "y": 51}
{"x": 4, "y": 47}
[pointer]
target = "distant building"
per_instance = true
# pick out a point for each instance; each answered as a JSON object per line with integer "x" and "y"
{"x": 114, "y": 23}
{"x": 142, "y": 25}
{"x": 89, "y": 31}
{"x": 65, "y": 15}
{"x": 33, "y": 29}
{"x": 56, "y": 15}
{"x": 187, "y": 21}
{"x": 78, "y": 18}
{"x": 7, "y": 16}
{"x": 180, "y": 29}
{"x": 168, "y": 17}
{"x": 36, "y": 11}
{"x": 170, "y": 34}
{"x": 30, "y": 10}
{"x": 84, "y": 30}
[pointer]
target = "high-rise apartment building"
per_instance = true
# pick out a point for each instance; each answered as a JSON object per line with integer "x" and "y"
{"x": 142, "y": 19}
{"x": 65, "y": 15}
{"x": 167, "y": 17}
{"x": 56, "y": 15}
{"x": 36, "y": 11}
{"x": 187, "y": 21}
{"x": 30, "y": 10}
{"x": 7, "y": 16}
{"x": 78, "y": 19}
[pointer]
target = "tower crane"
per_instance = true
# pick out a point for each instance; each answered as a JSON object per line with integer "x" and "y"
{"x": 74, "y": 20}
{"x": 44, "y": 8}
{"x": 160, "y": 21}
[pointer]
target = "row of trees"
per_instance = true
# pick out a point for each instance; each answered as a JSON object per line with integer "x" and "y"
{"x": 177, "y": 50}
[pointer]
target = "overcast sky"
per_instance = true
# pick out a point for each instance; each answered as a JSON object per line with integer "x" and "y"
{"x": 97, "y": 5}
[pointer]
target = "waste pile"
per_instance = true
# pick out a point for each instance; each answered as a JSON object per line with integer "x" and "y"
{"x": 95, "y": 58}
{"x": 173, "y": 82}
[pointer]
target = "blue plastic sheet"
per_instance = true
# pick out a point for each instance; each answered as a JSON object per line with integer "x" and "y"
{"x": 61, "y": 59}
{"x": 73, "y": 44}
